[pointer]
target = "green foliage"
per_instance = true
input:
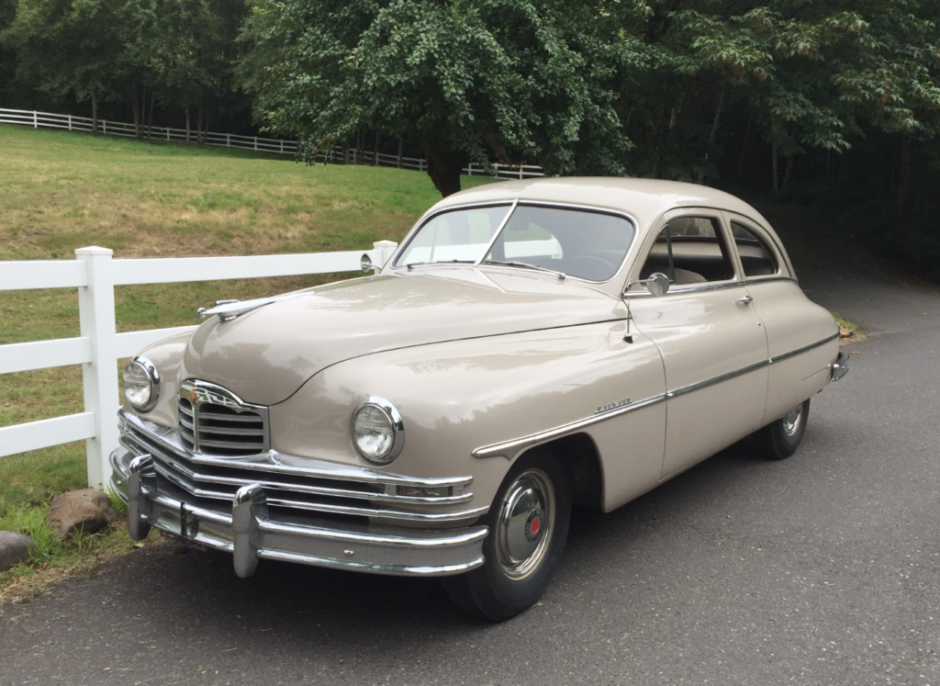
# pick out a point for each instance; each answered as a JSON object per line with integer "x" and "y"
{"x": 472, "y": 79}
{"x": 813, "y": 100}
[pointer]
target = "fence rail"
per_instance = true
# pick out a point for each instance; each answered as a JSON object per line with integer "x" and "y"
{"x": 95, "y": 274}
{"x": 278, "y": 146}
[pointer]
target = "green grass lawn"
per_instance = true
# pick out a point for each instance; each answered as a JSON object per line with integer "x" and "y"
{"x": 62, "y": 191}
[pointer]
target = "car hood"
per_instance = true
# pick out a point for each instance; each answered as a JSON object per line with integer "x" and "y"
{"x": 266, "y": 354}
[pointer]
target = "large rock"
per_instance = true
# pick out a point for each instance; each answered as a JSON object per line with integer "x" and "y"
{"x": 87, "y": 510}
{"x": 14, "y": 549}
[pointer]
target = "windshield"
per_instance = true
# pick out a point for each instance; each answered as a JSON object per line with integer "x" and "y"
{"x": 460, "y": 235}
{"x": 582, "y": 243}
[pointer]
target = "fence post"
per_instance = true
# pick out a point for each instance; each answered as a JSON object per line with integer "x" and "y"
{"x": 104, "y": 126}
{"x": 99, "y": 377}
{"x": 386, "y": 249}
{"x": 228, "y": 140}
{"x": 282, "y": 146}
{"x": 70, "y": 122}
{"x": 35, "y": 120}
{"x": 520, "y": 171}
{"x": 256, "y": 143}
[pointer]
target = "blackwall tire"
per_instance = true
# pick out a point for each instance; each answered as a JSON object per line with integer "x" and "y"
{"x": 780, "y": 439}
{"x": 528, "y": 524}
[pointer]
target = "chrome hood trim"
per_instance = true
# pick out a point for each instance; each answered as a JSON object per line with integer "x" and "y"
{"x": 266, "y": 354}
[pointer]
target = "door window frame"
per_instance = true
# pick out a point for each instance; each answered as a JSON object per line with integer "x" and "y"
{"x": 784, "y": 268}
{"x": 722, "y": 233}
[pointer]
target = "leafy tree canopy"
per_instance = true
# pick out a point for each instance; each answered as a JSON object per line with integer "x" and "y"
{"x": 471, "y": 79}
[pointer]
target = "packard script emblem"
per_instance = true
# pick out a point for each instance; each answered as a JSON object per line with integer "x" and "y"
{"x": 193, "y": 396}
{"x": 612, "y": 406}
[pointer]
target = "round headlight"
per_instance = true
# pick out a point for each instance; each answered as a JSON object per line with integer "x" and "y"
{"x": 141, "y": 384}
{"x": 378, "y": 431}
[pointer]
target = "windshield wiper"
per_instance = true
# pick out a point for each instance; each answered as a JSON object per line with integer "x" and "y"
{"x": 526, "y": 265}
{"x": 422, "y": 264}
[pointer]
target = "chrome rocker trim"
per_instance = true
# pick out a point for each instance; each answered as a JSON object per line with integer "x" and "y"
{"x": 250, "y": 533}
{"x": 510, "y": 449}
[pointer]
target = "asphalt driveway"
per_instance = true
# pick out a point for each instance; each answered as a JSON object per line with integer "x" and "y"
{"x": 821, "y": 569}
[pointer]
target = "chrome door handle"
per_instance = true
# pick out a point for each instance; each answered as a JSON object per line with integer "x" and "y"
{"x": 746, "y": 300}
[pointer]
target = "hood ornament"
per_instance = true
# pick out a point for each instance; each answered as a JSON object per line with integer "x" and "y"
{"x": 228, "y": 310}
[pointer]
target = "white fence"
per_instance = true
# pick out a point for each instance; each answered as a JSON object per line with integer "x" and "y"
{"x": 99, "y": 346}
{"x": 338, "y": 154}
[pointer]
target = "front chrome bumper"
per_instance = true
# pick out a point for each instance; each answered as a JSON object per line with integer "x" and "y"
{"x": 249, "y": 531}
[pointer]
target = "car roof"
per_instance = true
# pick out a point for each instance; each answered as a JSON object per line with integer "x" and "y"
{"x": 643, "y": 199}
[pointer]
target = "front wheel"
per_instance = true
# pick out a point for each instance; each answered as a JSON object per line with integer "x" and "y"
{"x": 780, "y": 439}
{"x": 528, "y": 524}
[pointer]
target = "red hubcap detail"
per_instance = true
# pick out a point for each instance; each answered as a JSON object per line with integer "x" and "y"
{"x": 535, "y": 526}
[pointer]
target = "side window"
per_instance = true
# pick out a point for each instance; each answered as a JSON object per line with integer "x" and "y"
{"x": 756, "y": 257}
{"x": 690, "y": 250}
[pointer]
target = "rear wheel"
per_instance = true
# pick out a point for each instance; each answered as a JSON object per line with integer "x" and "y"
{"x": 528, "y": 524}
{"x": 780, "y": 439}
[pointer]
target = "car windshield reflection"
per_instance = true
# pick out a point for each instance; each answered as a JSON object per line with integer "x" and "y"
{"x": 568, "y": 241}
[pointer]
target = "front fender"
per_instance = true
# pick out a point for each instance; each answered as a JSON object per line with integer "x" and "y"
{"x": 167, "y": 356}
{"x": 458, "y": 396}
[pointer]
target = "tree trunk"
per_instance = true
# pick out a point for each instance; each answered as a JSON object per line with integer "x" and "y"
{"x": 94, "y": 113}
{"x": 187, "y": 123}
{"x": 747, "y": 133}
{"x": 150, "y": 115}
{"x": 136, "y": 108}
{"x": 721, "y": 103}
{"x": 904, "y": 175}
{"x": 789, "y": 170}
{"x": 776, "y": 185}
{"x": 444, "y": 168}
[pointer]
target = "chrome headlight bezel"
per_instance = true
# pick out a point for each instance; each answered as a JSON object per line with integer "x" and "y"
{"x": 153, "y": 377}
{"x": 394, "y": 419}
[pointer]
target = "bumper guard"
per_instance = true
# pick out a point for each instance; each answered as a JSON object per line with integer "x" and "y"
{"x": 251, "y": 534}
{"x": 840, "y": 367}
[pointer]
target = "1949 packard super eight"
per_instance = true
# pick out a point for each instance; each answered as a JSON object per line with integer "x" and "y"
{"x": 530, "y": 345}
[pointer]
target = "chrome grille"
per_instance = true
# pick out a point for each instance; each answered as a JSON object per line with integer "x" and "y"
{"x": 324, "y": 488}
{"x": 214, "y": 421}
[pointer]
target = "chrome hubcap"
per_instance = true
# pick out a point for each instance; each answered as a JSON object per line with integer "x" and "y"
{"x": 791, "y": 423}
{"x": 525, "y": 524}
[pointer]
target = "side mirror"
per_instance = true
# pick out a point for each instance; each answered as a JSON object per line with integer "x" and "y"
{"x": 657, "y": 284}
{"x": 366, "y": 263}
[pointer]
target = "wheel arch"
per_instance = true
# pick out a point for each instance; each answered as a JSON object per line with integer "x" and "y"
{"x": 580, "y": 454}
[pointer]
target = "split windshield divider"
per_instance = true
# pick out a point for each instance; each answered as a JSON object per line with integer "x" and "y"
{"x": 499, "y": 230}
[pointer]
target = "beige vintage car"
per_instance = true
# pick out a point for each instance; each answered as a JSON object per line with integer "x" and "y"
{"x": 531, "y": 345}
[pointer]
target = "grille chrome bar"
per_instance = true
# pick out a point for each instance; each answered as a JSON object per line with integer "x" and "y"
{"x": 214, "y": 420}
{"x": 330, "y": 490}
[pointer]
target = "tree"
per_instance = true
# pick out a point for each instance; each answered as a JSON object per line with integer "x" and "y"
{"x": 68, "y": 47}
{"x": 182, "y": 50}
{"x": 471, "y": 79}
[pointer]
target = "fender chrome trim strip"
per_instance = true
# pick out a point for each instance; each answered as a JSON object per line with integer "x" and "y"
{"x": 510, "y": 449}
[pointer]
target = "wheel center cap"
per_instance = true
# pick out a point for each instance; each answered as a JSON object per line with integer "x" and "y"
{"x": 533, "y": 525}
